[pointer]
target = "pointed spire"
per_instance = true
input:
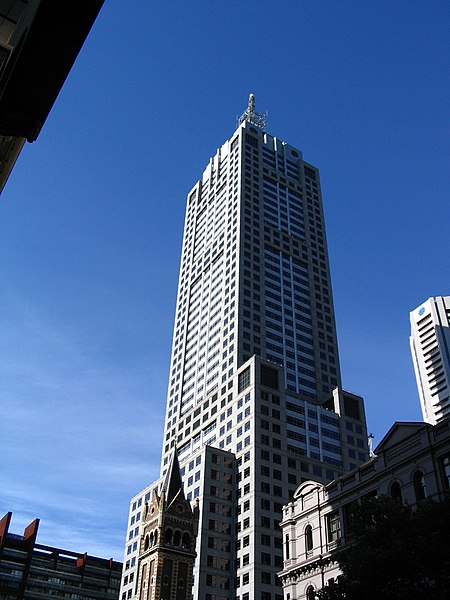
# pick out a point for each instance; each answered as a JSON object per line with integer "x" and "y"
{"x": 173, "y": 482}
{"x": 252, "y": 115}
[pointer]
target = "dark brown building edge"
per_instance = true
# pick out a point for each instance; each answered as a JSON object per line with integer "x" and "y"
{"x": 31, "y": 571}
{"x": 35, "y": 62}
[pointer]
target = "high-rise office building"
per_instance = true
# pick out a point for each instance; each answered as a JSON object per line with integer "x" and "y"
{"x": 254, "y": 403}
{"x": 430, "y": 348}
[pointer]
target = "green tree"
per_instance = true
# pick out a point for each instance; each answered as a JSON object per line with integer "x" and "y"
{"x": 396, "y": 554}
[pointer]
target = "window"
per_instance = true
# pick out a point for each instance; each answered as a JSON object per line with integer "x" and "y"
{"x": 265, "y": 522}
{"x": 308, "y": 538}
{"x": 266, "y": 577}
{"x": 310, "y": 594}
{"x": 351, "y": 408}
{"x": 334, "y": 527}
{"x": 419, "y": 486}
{"x": 277, "y": 490}
{"x": 396, "y": 492}
{"x": 445, "y": 463}
{"x": 265, "y": 470}
{"x": 269, "y": 377}
{"x": 243, "y": 380}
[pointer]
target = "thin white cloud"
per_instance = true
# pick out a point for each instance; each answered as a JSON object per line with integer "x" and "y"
{"x": 73, "y": 438}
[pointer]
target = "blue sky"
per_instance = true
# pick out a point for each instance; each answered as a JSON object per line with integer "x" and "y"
{"x": 91, "y": 222}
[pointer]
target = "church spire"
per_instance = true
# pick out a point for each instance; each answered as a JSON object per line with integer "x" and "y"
{"x": 173, "y": 485}
{"x": 168, "y": 539}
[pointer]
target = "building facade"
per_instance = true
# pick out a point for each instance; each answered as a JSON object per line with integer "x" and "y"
{"x": 31, "y": 76}
{"x": 31, "y": 571}
{"x": 167, "y": 549}
{"x": 430, "y": 349}
{"x": 254, "y": 402}
{"x": 412, "y": 463}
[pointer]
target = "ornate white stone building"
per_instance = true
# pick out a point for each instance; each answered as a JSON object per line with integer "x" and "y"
{"x": 412, "y": 462}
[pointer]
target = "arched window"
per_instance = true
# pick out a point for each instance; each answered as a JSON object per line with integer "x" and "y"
{"x": 419, "y": 486}
{"x": 155, "y": 538}
{"x": 308, "y": 538}
{"x": 168, "y": 536}
{"x": 177, "y": 538}
{"x": 310, "y": 593}
{"x": 286, "y": 547}
{"x": 146, "y": 542}
{"x": 186, "y": 541}
{"x": 396, "y": 492}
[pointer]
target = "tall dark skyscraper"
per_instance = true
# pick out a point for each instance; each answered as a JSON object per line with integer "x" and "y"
{"x": 254, "y": 403}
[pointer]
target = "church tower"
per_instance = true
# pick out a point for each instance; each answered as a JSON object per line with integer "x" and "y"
{"x": 167, "y": 547}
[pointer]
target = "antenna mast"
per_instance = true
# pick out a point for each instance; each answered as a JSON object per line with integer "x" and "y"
{"x": 252, "y": 115}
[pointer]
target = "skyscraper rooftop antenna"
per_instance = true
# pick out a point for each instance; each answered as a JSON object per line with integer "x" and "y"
{"x": 252, "y": 115}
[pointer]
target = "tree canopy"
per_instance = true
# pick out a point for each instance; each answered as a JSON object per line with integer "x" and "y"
{"x": 397, "y": 553}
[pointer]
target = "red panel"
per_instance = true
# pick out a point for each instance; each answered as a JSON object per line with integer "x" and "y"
{"x": 4, "y": 526}
{"x": 31, "y": 531}
{"x": 81, "y": 560}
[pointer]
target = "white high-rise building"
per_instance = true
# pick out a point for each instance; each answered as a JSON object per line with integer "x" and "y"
{"x": 254, "y": 403}
{"x": 430, "y": 348}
